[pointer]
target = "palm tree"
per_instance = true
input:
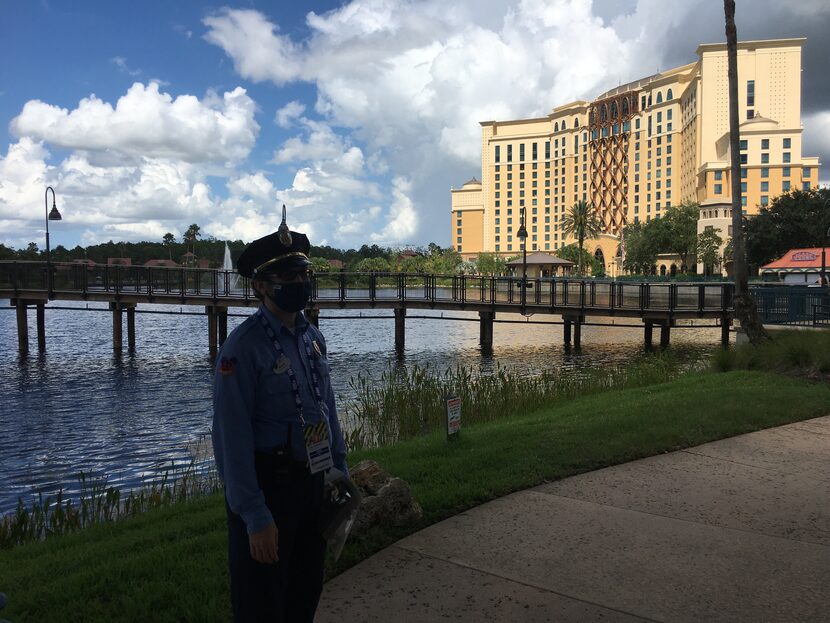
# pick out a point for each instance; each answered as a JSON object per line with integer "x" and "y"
{"x": 745, "y": 310}
{"x": 581, "y": 221}
{"x": 168, "y": 240}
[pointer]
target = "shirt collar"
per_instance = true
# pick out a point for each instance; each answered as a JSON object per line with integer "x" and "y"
{"x": 300, "y": 324}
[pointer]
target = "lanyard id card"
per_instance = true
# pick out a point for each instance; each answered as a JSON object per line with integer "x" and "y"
{"x": 318, "y": 447}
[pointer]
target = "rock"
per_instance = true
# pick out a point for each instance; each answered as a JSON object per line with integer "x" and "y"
{"x": 369, "y": 476}
{"x": 387, "y": 500}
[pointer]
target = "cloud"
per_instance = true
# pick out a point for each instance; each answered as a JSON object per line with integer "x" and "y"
{"x": 146, "y": 123}
{"x": 286, "y": 115}
{"x": 407, "y": 83}
{"x": 259, "y": 54}
{"x": 121, "y": 63}
{"x": 403, "y": 218}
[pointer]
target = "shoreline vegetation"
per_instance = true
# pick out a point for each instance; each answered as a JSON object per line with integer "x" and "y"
{"x": 166, "y": 559}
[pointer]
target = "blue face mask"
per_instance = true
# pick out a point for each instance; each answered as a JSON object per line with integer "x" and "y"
{"x": 291, "y": 297}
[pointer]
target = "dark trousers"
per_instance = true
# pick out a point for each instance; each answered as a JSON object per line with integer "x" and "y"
{"x": 289, "y": 589}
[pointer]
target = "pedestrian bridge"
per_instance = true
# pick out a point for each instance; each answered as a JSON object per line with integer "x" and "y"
{"x": 33, "y": 284}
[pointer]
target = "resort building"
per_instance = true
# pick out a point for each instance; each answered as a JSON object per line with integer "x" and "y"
{"x": 638, "y": 149}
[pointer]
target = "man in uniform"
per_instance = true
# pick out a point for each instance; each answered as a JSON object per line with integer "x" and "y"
{"x": 275, "y": 434}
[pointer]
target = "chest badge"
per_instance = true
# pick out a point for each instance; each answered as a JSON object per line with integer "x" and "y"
{"x": 282, "y": 365}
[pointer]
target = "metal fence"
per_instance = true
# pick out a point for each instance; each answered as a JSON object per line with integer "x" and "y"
{"x": 21, "y": 278}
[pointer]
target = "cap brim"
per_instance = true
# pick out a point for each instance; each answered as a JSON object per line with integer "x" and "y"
{"x": 288, "y": 263}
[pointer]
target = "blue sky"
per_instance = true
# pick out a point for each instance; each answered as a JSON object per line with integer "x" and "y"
{"x": 148, "y": 116}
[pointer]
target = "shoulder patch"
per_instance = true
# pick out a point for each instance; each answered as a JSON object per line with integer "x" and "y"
{"x": 227, "y": 366}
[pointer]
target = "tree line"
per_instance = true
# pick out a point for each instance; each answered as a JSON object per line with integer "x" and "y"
{"x": 796, "y": 219}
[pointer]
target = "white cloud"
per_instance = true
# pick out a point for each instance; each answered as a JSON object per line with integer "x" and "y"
{"x": 258, "y": 53}
{"x": 121, "y": 63}
{"x": 146, "y": 123}
{"x": 286, "y": 115}
{"x": 403, "y": 218}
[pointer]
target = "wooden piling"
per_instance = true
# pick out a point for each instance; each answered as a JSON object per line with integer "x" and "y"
{"x": 22, "y": 326}
{"x": 486, "y": 320}
{"x": 400, "y": 326}
{"x": 117, "y": 323}
{"x": 665, "y": 332}
{"x": 578, "y": 333}
{"x": 223, "y": 325}
{"x": 212, "y": 329}
{"x": 41, "y": 327}
{"x": 567, "y": 331}
{"x": 131, "y": 327}
{"x": 648, "y": 334}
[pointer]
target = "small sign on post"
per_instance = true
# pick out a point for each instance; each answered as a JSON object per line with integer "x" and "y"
{"x": 453, "y": 417}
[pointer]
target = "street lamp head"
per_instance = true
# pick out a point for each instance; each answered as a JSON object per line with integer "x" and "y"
{"x": 522, "y": 233}
{"x": 54, "y": 215}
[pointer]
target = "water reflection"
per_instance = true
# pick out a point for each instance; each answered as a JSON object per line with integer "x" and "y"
{"x": 78, "y": 407}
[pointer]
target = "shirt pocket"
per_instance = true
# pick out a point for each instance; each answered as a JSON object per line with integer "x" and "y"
{"x": 278, "y": 384}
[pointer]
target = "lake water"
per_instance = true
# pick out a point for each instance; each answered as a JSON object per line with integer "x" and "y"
{"x": 77, "y": 407}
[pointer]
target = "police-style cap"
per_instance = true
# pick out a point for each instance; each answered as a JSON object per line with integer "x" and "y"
{"x": 284, "y": 249}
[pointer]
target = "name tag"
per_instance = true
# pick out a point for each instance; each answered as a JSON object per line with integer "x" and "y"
{"x": 318, "y": 447}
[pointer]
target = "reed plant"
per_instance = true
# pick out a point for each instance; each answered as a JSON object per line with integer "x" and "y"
{"x": 408, "y": 402}
{"x": 98, "y": 503}
{"x": 795, "y": 352}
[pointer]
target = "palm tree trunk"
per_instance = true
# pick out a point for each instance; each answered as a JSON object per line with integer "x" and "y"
{"x": 745, "y": 309}
{"x": 581, "y": 244}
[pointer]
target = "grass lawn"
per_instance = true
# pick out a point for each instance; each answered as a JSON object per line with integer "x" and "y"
{"x": 169, "y": 564}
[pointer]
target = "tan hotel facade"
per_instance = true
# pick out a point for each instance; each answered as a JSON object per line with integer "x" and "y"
{"x": 637, "y": 150}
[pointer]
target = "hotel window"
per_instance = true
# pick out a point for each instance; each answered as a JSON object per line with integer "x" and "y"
{"x": 786, "y": 157}
{"x": 785, "y": 172}
{"x": 458, "y": 222}
{"x": 743, "y": 201}
{"x": 521, "y": 152}
{"x": 547, "y": 150}
{"x": 805, "y": 186}
{"x": 764, "y": 143}
{"x": 750, "y": 114}
{"x": 498, "y": 154}
{"x": 718, "y": 175}
{"x": 787, "y": 143}
{"x": 806, "y": 173}
{"x": 668, "y": 114}
{"x": 743, "y": 144}
{"x": 718, "y": 189}
{"x": 764, "y": 187}
{"x": 764, "y": 200}
{"x": 498, "y": 204}
{"x": 743, "y": 187}
{"x": 498, "y": 247}
{"x": 764, "y": 158}
{"x": 743, "y": 173}
{"x": 668, "y": 127}
{"x": 785, "y": 185}
{"x": 534, "y": 151}
{"x": 458, "y": 231}
{"x": 750, "y": 93}
{"x": 764, "y": 171}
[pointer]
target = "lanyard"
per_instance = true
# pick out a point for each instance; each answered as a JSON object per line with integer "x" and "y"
{"x": 295, "y": 387}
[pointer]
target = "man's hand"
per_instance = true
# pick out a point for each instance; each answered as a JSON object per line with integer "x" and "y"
{"x": 265, "y": 544}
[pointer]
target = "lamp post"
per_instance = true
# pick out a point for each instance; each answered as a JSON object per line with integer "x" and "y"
{"x": 52, "y": 215}
{"x": 823, "y": 278}
{"x": 522, "y": 235}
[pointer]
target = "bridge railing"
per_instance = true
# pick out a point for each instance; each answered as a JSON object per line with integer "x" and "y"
{"x": 31, "y": 277}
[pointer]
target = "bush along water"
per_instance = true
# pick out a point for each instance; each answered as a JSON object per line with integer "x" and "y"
{"x": 409, "y": 402}
{"x": 98, "y": 503}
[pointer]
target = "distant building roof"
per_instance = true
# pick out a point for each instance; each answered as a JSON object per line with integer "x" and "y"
{"x": 119, "y": 261}
{"x": 539, "y": 258}
{"x": 471, "y": 182}
{"x": 84, "y": 261}
{"x": 796, "y": 259}
{"x": 336, "y": 263}
{"x": 168, "y": 263}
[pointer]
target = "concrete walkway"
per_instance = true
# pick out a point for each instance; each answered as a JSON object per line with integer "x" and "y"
{"x": 734, "y": 530}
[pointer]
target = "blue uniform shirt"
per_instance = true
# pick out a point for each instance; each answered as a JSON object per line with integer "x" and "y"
{"x": 253, "y": 405}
